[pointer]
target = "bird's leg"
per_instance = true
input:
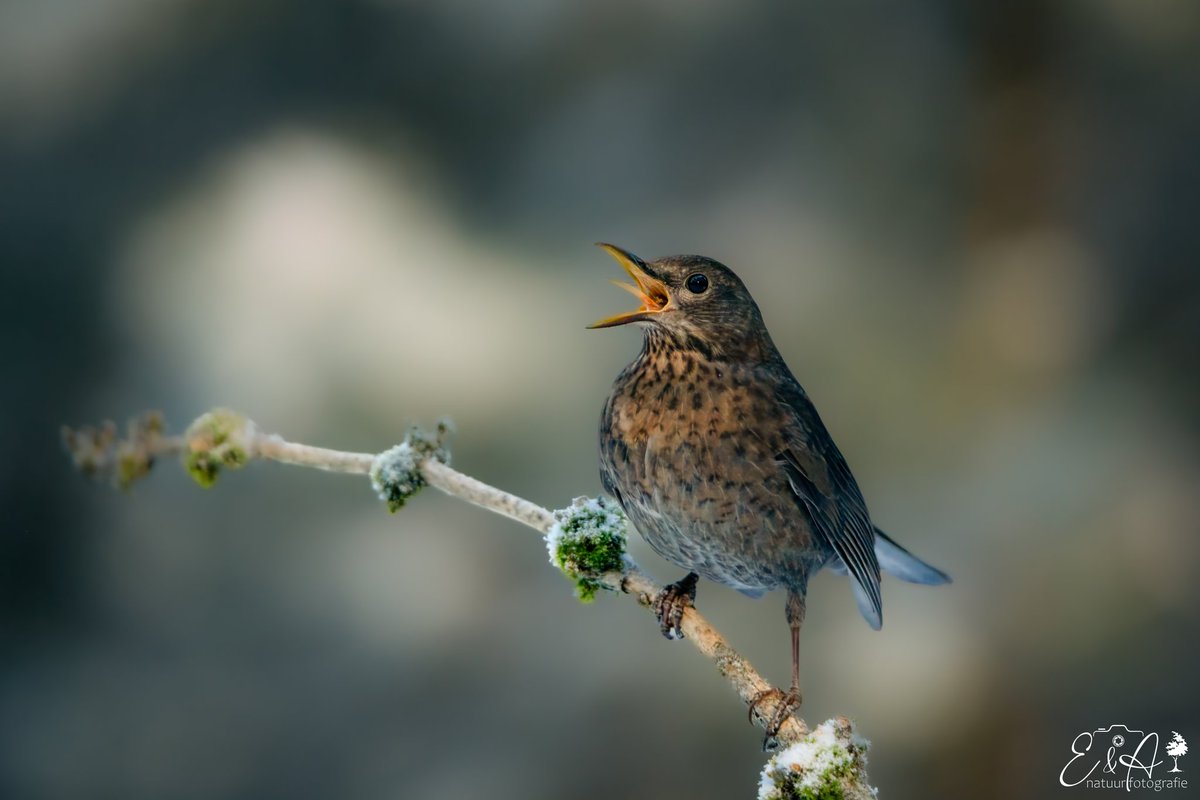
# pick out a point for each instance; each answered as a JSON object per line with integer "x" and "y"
{"x": 671, "y": 602}
{"x": 785, "y": 702}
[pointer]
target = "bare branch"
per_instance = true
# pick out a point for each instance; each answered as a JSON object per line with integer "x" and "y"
{"x": 276, "y": 448}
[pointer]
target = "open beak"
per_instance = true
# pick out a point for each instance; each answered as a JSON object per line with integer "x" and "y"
{"x": 647, "y": 288}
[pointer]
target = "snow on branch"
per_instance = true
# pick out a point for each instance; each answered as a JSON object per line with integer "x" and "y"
{"x": 586, "y": 541}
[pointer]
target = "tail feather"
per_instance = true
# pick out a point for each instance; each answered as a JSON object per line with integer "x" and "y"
{"x": 866, "y": 607}
{"x": 904, "y": 565}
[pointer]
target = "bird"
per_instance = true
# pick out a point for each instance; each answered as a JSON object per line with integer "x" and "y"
{"x": 720, "y": 460}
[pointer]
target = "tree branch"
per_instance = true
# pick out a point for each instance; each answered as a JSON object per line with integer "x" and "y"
{"x": 222, "y": 439}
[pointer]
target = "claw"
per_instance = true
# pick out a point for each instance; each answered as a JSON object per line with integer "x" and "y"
{"x": 671, "y": 602}
{"x": 786, "y": 704}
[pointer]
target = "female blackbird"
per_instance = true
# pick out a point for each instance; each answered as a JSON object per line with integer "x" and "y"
{"x": 720, "y": 459}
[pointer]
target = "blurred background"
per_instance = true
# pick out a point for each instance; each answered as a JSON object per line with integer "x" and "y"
{"x": 972, "y": 229}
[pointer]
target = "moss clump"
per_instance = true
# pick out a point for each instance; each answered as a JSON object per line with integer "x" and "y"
{"x": 396, "y": 473}
{"x": 218, "y": 439}
{"x": 827, "y": 764}
{"x": 588, "y": 540}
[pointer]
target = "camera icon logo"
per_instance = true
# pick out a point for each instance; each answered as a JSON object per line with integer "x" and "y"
{"x": 1118, "y": 735}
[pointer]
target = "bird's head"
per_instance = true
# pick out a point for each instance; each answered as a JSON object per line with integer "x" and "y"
{"x": 689, "y": 297}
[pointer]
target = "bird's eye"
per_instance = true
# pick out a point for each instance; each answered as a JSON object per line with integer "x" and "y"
{"x": 697, "y": 283}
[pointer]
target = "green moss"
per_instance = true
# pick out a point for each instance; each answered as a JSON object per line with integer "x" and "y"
{"x": 396, "y": 473}
{"x": 590, "y": 556}
{"x": 215, "y": 441}
{"x": 831, "y": 787}
{"x": 587, "y": 541}
{"x": 827, "y": 764}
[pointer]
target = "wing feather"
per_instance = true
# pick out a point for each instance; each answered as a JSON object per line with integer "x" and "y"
{"x": 824, "y": 488}
{"x": 844, "y": 529}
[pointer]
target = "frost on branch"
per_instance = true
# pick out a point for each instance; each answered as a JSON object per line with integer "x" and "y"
{"x": 827, "y": 764}
{"x": 396, "y": 473}
{"x": 587, "y": 540}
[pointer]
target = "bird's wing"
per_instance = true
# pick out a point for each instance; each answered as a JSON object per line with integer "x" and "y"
{"x": 824, "y": 488}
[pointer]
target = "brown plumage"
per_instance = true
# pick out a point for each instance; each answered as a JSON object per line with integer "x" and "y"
{"x": 720, "y": 459}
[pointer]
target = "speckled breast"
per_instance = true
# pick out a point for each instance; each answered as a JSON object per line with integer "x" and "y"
{"x": 688, "y": 447}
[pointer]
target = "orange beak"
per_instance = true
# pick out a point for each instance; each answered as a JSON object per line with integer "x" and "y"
{"x": 649, "y": 289}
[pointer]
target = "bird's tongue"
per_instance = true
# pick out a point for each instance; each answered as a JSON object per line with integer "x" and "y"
{"x": 649, "y": 301}
{"x": 645, "y": 287}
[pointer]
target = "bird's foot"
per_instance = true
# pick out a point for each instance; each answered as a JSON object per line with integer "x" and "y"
{"x": 671, "y": 602}
{"x": 785, "y": 704}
